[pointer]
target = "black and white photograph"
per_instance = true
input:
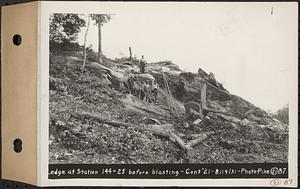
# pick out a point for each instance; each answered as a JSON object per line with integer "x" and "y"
{"x": 170, "y": 86}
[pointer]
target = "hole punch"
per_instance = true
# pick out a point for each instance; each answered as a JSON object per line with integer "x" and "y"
{"x": 17, "y": 40}
{"x": 18, "y": 145}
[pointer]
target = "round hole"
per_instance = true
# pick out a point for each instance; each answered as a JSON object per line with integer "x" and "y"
{"x": 17, "y": 142}
{"x": 17, "y": 39}
{"x": 18, "y": 149}
{"x": 18, "y": 145}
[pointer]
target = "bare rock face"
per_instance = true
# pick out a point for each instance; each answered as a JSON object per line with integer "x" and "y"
{"x": 202, "y": 73}
{"x": 188, "y": 76}
{"x": 193, "y": 109}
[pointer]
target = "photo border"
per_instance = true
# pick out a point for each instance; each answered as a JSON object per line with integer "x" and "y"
{"x": 46, "y": 8}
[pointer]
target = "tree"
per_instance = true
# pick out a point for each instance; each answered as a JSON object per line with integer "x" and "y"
{"x": 100, "y": 19}
{"x": 84, "y": 44}
{"x": 63, "y": 31}
{"x": 130, "y": 54}
{"x": 65, "y": 27}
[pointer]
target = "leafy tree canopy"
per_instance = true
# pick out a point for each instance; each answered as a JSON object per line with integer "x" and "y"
{"x": 101, "y": 18}
{"x": 65, "y": 27}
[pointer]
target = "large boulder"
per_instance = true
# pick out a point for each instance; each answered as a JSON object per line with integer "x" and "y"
{"x": 117, "y": 79}
{"x": 193, "y": 109}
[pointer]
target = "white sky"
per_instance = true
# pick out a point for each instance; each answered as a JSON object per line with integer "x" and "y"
{"x": 248, "y": 49}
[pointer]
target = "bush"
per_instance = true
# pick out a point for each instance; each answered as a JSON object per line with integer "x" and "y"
{"x": 65, "y": 46}
{"x": 283, "y": 114}
{"x": 91, "y": 55}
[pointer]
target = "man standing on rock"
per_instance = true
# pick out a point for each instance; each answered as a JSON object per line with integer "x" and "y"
{"x": 130, "y": 81}
{"x": 142, "y": 65}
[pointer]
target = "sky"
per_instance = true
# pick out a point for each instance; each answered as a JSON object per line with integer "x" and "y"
{"x": 250, "y": 48}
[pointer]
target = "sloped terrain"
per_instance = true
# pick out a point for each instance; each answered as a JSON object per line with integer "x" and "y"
{"x": 93, "y": 118}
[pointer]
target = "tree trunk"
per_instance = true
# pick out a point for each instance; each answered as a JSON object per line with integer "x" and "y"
{"x": 187, "y": 147}
{"x": 100, "y": 118}
{"x": 171, "y": 100}
{"x": 84, "y": 45}
{"x": 201, "y": 138}
{"x": 99, "y": 41}
{"x": 203, "y": 97}
{"x": 130, "y": 54}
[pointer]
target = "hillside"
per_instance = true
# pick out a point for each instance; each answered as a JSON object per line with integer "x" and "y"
{"x": 94, "y": 119}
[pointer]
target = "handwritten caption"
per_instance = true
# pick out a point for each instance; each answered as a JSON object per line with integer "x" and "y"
{"x": 214, "y": 172}
{"x": 281, "y": 182}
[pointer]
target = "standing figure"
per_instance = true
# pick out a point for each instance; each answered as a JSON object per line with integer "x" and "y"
{"x": 147, "y": 92}
{"x": 130, "y": 82}
{"x": 154, "y": 90}
{"x": 142, "y": 65}
{"x": 142, "y": 91}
